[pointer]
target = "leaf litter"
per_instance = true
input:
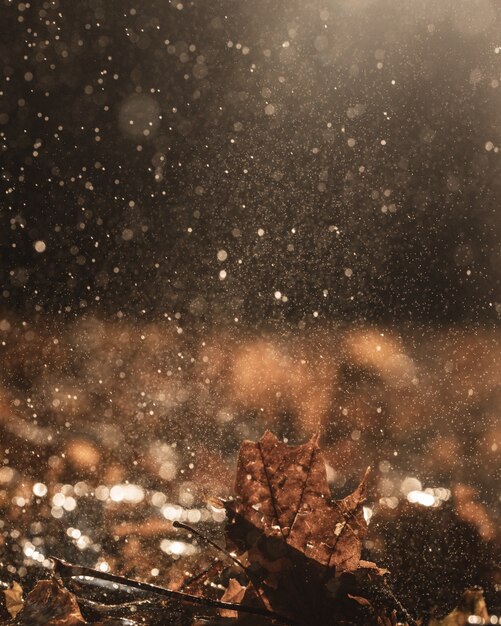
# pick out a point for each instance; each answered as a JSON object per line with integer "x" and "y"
{"x": 294, "y": 556}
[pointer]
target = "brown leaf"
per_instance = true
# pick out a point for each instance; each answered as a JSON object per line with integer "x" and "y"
{"x": 234, "y": 593}
{"x": 296, "y": 541}
{"x": 13, "y": 599}
{"x": 50, "y": 604}
{"x": 282, "y": 491}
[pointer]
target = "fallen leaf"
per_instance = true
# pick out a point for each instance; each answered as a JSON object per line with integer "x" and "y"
{"x": 11, "y": 601}
{"x": 234, "y": 593}
{"x": 296, "y": 542}
{"x": 50, "y": 604}
{"x": 283, "y": 491}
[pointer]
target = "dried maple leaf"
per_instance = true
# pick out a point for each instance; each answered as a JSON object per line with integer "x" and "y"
{"x": 282, "y": 491}
{"x": 296, "y": 541}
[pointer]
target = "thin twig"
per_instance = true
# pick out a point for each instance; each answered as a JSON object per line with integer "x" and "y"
{"x": 120, "y": 610}
{"x": 400, "y": 607}
{"x": 196, "y": 577}
{"x": 67, "y": 570}
{"x": 211, "y": 543}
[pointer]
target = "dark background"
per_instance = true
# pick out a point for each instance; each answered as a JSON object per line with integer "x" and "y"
{"x": 250, "y": 107}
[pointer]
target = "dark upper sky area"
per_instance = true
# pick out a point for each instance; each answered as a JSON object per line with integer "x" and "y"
{"x": 264, "y": 160}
